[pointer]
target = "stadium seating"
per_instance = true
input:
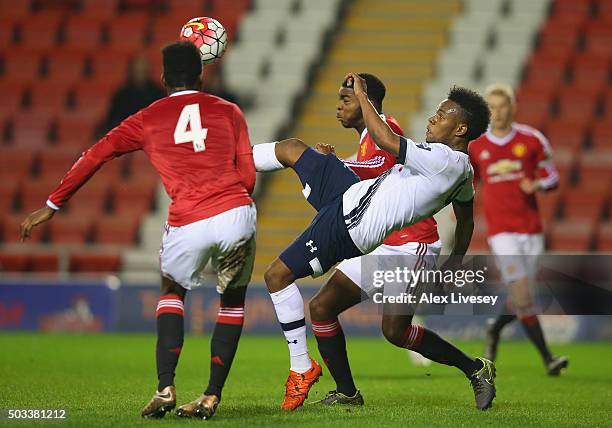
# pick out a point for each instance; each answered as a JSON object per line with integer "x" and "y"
{"x": 69, "y": 229}
{"x": 571, "y": 237}
{"x": 16, "y": 164}
{"x": 567, "y": 133}
{"x": 604, "y": 238}
{"x": 103, "y": 10}
{"x": 21, "y": 66}
{"x": 44, "y": 262}
{"x": 94, "y": 263}
{"x": 48, "y": 97}
{"x": 601, "y": 131}
{"x": 12, "y": 99}
{"x": 8, "y": 195}
{"x": 126, "y": 33}
{"x": 597, "y": 38}
{"x": 47, "y": 25}
{"x": 75, "y": 131}
{"x": 13, "y": 262}
{"x": 65, "y": 66}
{"x": 116, "y": 230}
{"x": 82, "y": 33}
{"x": 31, "y": 129}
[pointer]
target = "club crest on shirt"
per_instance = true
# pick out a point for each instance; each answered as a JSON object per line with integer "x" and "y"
{"x": 485, "y": 155}
{"x": 519, "y": 150}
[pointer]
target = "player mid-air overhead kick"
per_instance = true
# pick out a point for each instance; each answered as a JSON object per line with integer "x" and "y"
{"x": 354, "y": 217}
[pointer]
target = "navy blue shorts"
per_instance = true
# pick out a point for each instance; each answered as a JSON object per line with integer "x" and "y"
{"x": 326, "y": 241}
{"x": 324, "y": 178}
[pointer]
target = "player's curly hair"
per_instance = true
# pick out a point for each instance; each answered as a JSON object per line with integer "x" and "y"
{"x": 376, "y": 88}
{"x": 474, "y": 109}
{"x": 182, "y": 64}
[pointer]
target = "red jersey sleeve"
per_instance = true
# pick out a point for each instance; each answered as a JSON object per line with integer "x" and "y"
{"x": 474, "y": 161}
{"x": 244, "y": 152}
{"x": 380, "y": 162}
{"x": 546, "y": 169}
{"x": 394, "y": 125}
{"x": 126, "y": 137}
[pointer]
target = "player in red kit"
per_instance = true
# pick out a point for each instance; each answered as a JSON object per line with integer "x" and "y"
{"x": 513, "y": 162}
{"x": 199, "y": 145}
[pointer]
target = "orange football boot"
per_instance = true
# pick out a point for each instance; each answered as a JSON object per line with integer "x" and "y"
{"x": 298, "y": 385}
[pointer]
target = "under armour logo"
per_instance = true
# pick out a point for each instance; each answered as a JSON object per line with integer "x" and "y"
{"x": 311, "y": 245}
{"x": 292, "y": 341}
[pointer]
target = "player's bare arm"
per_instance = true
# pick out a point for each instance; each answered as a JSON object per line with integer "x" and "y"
{"x": 380, "y": 131}
{"x": 34, "y": 219}
{"x": 464, "y": 211}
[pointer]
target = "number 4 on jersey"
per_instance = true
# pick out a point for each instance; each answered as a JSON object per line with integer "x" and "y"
{"x": 189, "y": 128}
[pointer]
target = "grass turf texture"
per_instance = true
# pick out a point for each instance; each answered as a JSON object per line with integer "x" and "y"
{"x": 105, "y": 380}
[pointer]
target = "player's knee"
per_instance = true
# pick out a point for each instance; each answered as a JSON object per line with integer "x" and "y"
{"x": 270, "y": 275}
{"x": 170, "y": 287}
{"x": 394, "y": 334}
{"x": 275, "y": 278}
{"x": 295, "y": 144}
{"x": 289, "y": 151}
{"x": 318, "y": 309}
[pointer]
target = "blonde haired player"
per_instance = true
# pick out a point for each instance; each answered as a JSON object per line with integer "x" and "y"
{"x": 514, "y": 162}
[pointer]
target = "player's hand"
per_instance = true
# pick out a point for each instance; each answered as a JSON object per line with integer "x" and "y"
{"x": 353, "y": 80}
{"x": 529, "y": 186}
{"x": 325, "y": 148}
{"x": 37, "y": 217}
{"x": 452, "y": 264}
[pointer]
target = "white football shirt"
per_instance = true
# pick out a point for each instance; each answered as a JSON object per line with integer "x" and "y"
{"x": 428, "y": 177}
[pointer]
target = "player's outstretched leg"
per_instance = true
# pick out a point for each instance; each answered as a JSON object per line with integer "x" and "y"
{"x": 170, "y": 334}
{"x": 289, "y": 307}
{"x": 399, "y": 330}
{"x": 223, "y": 346}
{"x": 336, "y": 296}
{"x": 278, "y": 155}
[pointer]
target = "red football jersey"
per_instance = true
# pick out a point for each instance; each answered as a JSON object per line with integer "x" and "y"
{"x": 500, "y": 164}
{"x": 371, "y": 162}
{"x": 199, "y": 145}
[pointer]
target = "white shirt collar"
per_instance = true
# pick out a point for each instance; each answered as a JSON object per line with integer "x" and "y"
{"x": 363, "y": 134}
{"x": 501, "y": 141}
{"x": 186, "y": 91}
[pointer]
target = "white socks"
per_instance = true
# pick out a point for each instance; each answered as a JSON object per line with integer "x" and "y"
{"x": 265, "y": 158}
{"x": 289, "y": 307}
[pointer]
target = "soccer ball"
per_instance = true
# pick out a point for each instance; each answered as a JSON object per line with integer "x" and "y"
{"x": 208, "y": 35}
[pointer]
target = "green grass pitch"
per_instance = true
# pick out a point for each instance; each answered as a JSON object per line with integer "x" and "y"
{"x": 104, "y": 380}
